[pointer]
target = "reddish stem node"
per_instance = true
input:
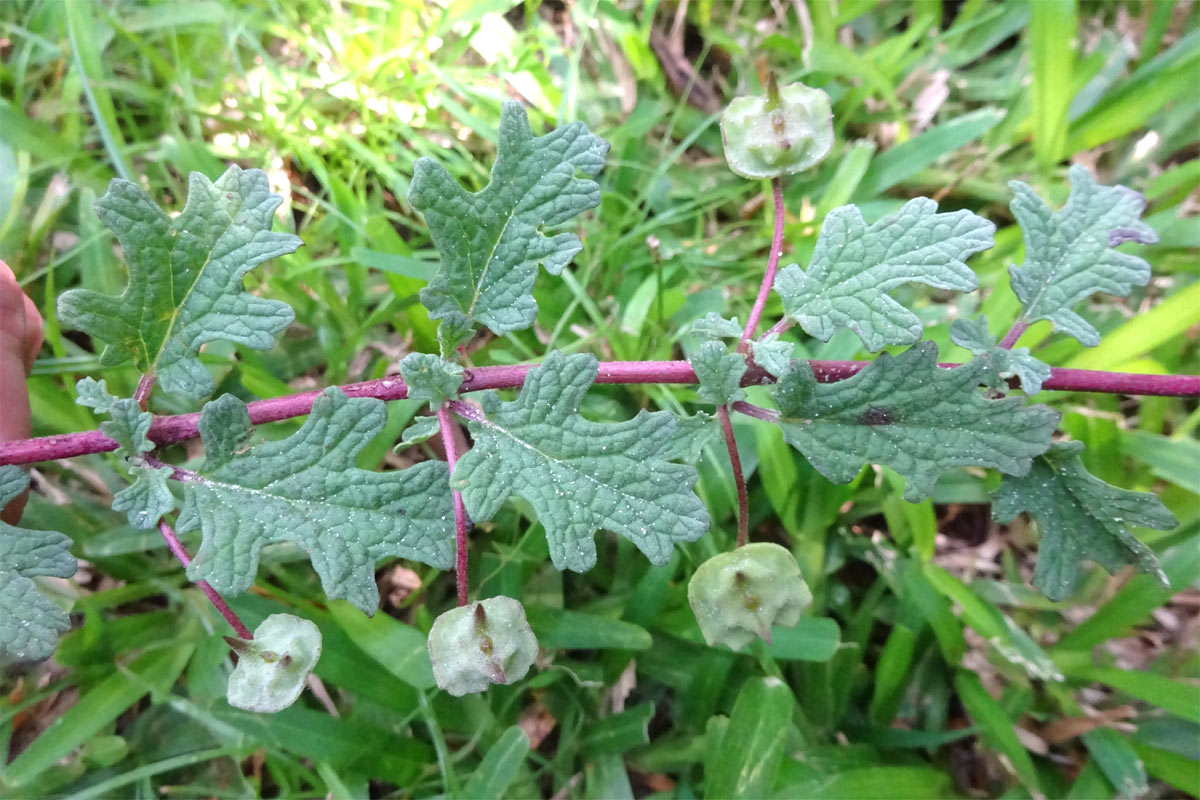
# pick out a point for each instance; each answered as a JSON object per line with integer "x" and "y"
{"x": 739, "y": 480}
{"x": 764, "y": 291}
{"x": 446, "y": 423}
{"x": 181, "y": 553}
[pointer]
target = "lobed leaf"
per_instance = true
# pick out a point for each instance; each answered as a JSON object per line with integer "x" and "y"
{"x": 1018, "y": 362}
{"x": 307, "y": 489}
{"x": 185, "y": 277}
{"x": 1079, "y": 517}
{"x": 720, "y": 373}
{"x": 147, "y": 498}
{"x": 29, "y": 621}
{"x": 772, "y": 353}
{"x": 713, "y": 326}
{"x": 855, "y": 266}
{"x": 580, "y": 476}
{"x": 1069, "y": 254}
{"x": 491, "y": 242}
{"x": 906, "y": 412}
{"x": 430, "y": 379}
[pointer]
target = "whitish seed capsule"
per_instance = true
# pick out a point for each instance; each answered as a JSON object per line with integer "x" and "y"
{"x": 482, "y": 643}
{"x": 742, "y": 594}
{"x": 273, "y": 666}
{"x": 788, "y": 130}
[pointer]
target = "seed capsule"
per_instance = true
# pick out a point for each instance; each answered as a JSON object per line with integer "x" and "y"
{"x": 742, "y": 594}
{"x": 788, "y": 130}
{"x": 482, "y": 643}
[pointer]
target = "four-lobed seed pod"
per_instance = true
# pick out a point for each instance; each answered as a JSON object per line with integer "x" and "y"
{"x": 273, "y": 667}
{"x": 481, "y": 643}
{"x": 788, "y": 130}
{"x": 742, "y": 594}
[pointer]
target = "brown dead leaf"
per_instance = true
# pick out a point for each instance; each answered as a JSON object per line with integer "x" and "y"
{"x": 1061, "y": 730}
{"x": 538, "y": 723}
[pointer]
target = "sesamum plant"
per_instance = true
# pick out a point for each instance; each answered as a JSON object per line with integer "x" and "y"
{"x": 636, "y": 478}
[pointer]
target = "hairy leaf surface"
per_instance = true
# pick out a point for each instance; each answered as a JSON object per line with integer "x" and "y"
{"x": 147, "y": 497}
{"x": 906, "y": 412}
{"x": 1079, "y": 517}
{"x": 1019, "y": 362}
{"x": 29, "y": 621}
{"x": 185, "y": 277}
{"x": 1069, "y": 254}
{"x": 430, "y": 379}
{"x": 855, "y": 266}
{"x": 491, "y": 242}
{"x": 580, "y": 476}
{"x": 307, "y": 489}
{"x": 720, "y": 373}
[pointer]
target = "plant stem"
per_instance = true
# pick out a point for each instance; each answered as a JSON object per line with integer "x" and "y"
{"x": 168, "y": 430}
{"x": 181, "y": 553}
{"x": 758, "y": 412}
{"x": 446, "y": 423}
{"x": 739, "y": 479}
{"x": 1014, "y": 333}
{"x": 764, "y": 291}
{"x": 145, "y": 386}
{"x": 779, "y": 327}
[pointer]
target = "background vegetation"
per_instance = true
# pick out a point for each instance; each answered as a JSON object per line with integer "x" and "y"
{"x": 926, "y": 668}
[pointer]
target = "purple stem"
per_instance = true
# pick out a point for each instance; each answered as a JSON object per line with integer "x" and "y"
{"x": 181, "y": 553}
{"x": 168, "y": 430}
{"x": 779, "y": 327}
{"x": 758, "y": 412}
{"x": 739, "y": 479}
{"x": 446, "y": 423}
{"x": 1014, "y": 333}
{"x": 142, "y": 393}
{"x": 764, "y": 291}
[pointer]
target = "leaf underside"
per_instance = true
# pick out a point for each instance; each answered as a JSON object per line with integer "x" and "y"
{"x": 491, "y": 241}
{"x": 185, "y": 278}
{"x": 1069, "y": 254}
{"x": 1079, "y": 517}
{"x": 855, "y": 266}
{"x": 911, "y": 415}
{"x": 307, "y": 489}
{"x": 29, "y": 621}
{"x": 580, "y": 476}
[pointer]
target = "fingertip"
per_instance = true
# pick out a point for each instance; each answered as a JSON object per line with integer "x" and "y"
{"x": 34, "y": 332}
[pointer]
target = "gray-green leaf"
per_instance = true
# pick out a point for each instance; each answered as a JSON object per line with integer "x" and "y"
{"x": 185, "y": 277}
{"x": 29, "y": 621}
{"x": 430, "y": 379}
{"x": 691, "y": 435}
{"x": 491, "y": 242}
{"x": 906, "y": 412}
{"x": 307, "y": 489}
{"x": 1079, "y": 517}
{"x": 1019, "y": 362}
{"x": 854, "y": 267}
{"x": 713, "y": 326}
{"x": 146, "y": 499}
{"x": 422, "y": 429}
{"x": 720, "y": 373}
{"x": 772, "y": 353}
{"x": 580, "y": 476}
{"x": 1069, "y": 254}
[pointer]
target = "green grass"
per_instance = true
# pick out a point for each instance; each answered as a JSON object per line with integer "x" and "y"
{"x": 925, "y": 646}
